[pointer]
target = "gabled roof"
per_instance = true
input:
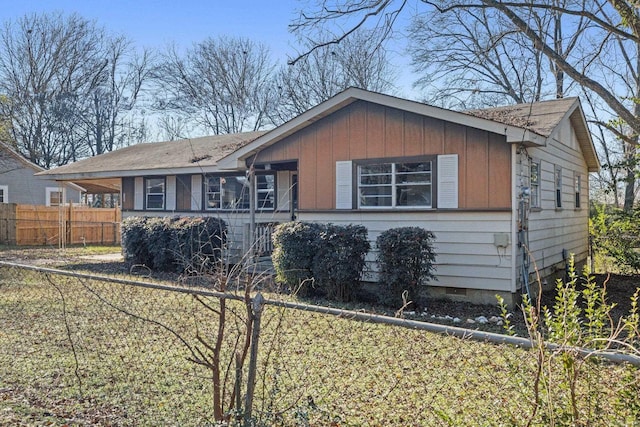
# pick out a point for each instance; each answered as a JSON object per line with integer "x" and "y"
{"x": 540, "y": 117}
{"x": 8, "y": 150}
{"x": 529, "y": 124}
{"x": 185, "y": 156}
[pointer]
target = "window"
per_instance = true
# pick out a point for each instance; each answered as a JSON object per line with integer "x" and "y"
{"x": 155, "y": 190}
{"x": 535, "y": 184}
{"x": 232, "y": 192}
{"x": 577, "y": 186}
{"x": 4, "y": 194}
{"x": 390, "y": 185}
{"x": 265, "y": 194}
{"x": 55, "y": 196}
{"x": 558, "y": 179}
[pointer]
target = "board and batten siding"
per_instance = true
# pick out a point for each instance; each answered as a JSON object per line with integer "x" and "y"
{"x": 553, "y": 231}
{"x": 467, "y": 256}
{"x": 364, "y": 130}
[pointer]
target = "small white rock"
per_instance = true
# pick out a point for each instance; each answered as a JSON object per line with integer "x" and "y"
{"x": 456, "y": 320}
{"x": 447, "y": 317}
{"x": 499, "y": 323}
{"x": 410, "y": 313}
{"x": 482, "y": 320}
{"x": 471, "y": 321}
{"x": 494, "y": 319}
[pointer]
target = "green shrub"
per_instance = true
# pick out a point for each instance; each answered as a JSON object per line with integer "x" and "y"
{"x": 189, "y": 244}
{"x": 615, "y": 234}
{"x": 134, "y": 240}
{"x": 315, "y": 259}
{"x": 294, "y": 246}
{"x": 339, "y": 262}
{"x": 406, "y": 260}
{"x": 198, "y": 242}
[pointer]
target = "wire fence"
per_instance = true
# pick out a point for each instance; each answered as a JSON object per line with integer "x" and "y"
{"x": 77, "y": 349}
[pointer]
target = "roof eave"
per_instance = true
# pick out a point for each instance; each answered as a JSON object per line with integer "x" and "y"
{"x": 127, "y": 173}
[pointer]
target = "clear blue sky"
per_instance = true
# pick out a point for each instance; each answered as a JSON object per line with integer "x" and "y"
{"x": 155, "y": 23}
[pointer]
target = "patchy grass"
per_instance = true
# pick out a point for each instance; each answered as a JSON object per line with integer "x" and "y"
{"x": 90, "y": 353}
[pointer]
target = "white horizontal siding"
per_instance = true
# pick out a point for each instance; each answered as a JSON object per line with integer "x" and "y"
{"x": 466, "y": 256}
{"x": 553, "y": 230}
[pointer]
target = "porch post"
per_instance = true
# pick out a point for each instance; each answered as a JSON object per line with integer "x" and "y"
{"x": 252, "y": 212}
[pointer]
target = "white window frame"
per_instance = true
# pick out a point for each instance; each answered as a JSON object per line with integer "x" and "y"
{"x": 534, "y": 184}
{"x": 4, "y": 193}
{"x": 577, "y": 183}
{"x": 262, "y": 195}
{"x": 395, "y": 185}
{"x": 558, "y": 186}
{"x": 58, "y": 190}
{"x": 148, "y": 193}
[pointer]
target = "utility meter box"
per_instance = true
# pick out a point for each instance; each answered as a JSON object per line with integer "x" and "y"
{"x": 501, "y": 240}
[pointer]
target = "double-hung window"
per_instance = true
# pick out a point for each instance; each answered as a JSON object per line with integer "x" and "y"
{"x": 577, "y": 188}
{"x": 535, "y": 184}
{"x": 155, "y": 191}
{"x": 231, "y": 192}
{"x": 395, "y": 184}
{"x": 558, "y": 185}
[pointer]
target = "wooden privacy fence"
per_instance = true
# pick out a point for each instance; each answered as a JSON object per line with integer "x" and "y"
{"x": 58, "y": 225}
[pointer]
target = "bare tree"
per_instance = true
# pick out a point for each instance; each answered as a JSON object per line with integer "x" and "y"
{"x": 115, "y": 94}
{"x": 223, "y": 84}
{"x": 358, "y": 61}
{"x": 51, "y": 69}
{"x": 476, "y": 58}
{"x": 593, "y": 43}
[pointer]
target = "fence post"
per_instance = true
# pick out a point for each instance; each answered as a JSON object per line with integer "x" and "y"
{"x": 257, "y": 306}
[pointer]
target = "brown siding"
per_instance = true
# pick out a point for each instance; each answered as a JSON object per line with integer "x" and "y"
{"x": 369, "y": 131}
{"x": 128, "y": 193}
{"x": 183, "y": 192}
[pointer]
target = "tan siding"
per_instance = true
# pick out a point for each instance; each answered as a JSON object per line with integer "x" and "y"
{"x": 325, "y": 171}
{"x": 375, "y": 131}
{"x": 307, "y": 174}
{"x": 455, "y": 142}
{"x": 393, "y": 133}
{"x": 499, "y": 172}
{"x": 434, "y": 131}
{"x": 476, "y": 169}
{"x": 340, "y": 132}
{"x": 368, "y": 131}
{"x": 358, "y": 132}
{"x": 413, "y": 135}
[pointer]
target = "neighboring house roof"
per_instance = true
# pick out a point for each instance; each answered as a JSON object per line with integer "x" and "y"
{"x": 516, "y": 122}
{"x": 186, "y": 155}
{"x": 8, "y": 150}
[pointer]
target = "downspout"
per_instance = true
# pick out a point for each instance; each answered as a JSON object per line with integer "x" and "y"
{"x": 252, "y": 212}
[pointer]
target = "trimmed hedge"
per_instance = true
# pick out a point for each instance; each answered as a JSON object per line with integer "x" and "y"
{"x": 294, "y": 247}
{"x": 184, "y": 245}
{"x": 406, "y": 258}
{"x": 320, "y": 259}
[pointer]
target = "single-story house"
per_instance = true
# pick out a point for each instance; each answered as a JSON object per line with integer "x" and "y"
{"x": 493, "y": 185}
{"x": 19, "y": 185}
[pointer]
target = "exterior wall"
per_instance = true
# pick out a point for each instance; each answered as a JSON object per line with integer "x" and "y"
{"x": 466, "y": 244}
{"x": 555, "y": 233}
{"x": 25, "y": 188}
{"x": 367, "y": 131}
